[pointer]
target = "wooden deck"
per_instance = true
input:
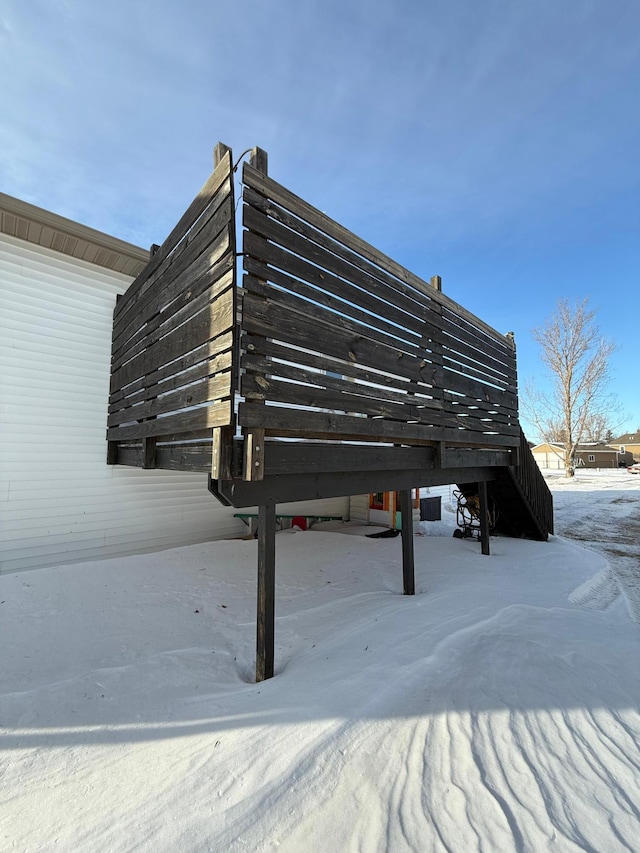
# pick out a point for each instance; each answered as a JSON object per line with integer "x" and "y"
{"x": 328, "y": 370}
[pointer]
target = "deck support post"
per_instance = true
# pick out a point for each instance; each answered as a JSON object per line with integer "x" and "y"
{"x": 266, "y": 591}
{"x": 408, "y": 572}
{"x": 484, "y": 517}
{"x": 253, "y": 464}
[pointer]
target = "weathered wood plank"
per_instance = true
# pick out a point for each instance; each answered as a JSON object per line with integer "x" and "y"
{"x": 212, "y": 353}
{"x": 218, "y": 414}
{"x": 283, "y": 421}
{"x": 474, "y": 354}
{"x": 265, "y": 622}
{"x": 298, "y": 247}
{"x": 453, "y": 329}
{"x": 214, "y": 321}
{"x": 253, "y": 468}
{"x": 174, "y": 295}
{"x": 322, "y": 398}
{"x": 150, "y": 386}
{"x": 337, "y": 304}
{"x": 216, "y": 265}
{"x": 255, "y": 346}
{"x": 302, "y": 457}
{"x": 206, "y": 390}
{"x": 190, "y": 262}
{"x": 479, "y": 372}
{"x": 282, "y": 325}
{"x": 261, "y": 251}
{"x": 308, "y": 487}
{"x": 477, "y": 337}
{"x": 177, "y": 457}
{"x": 454, "y": 381}
{"x": 312, "y": 235}
{"x": 408, "y": 573}
{"x": 318, "y": 313}
{"x": 258, "y": 364}
{"x": 207, "y": 232}
{"x": 285, "y": 198}
{"x": 191, "y": 215}
{"x": 425, "y": 321}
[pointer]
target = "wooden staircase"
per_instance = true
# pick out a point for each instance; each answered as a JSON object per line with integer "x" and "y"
{"x": 521, "y": 498}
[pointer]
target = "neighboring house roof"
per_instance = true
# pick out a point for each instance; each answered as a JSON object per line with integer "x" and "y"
{"x": 628, "y": 438}
{"x": 581, "y": 448}
{"x": 43, "y": 228}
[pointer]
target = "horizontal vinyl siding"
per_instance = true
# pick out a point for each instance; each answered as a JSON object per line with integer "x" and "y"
{"x": 59, "y": 500}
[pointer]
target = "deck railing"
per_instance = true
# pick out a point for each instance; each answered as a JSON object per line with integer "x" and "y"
{"x": 327, "y": 338}
{"x": 533, "y": 486}
{"x": 341, "y": 342}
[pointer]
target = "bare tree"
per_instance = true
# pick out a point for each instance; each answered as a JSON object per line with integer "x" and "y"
{"x": 602, "y": 426}
{"x": 577, "y": 360}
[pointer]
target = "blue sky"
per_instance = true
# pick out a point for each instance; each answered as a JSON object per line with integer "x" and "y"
{"x": 494, "y": 142}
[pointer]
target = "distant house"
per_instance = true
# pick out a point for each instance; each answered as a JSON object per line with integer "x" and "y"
{"x": 550, "y": 455}
{"x": 629, "y": 442}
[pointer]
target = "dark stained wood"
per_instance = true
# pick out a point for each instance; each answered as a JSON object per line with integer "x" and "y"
{"x": 297, "y": 246}
{"x": 149, "y": 452}
{"x": 112, "y": 453}
{"x": 213, "y": 321}
{"x": 218, "y": 414}
{"x": 170, "y": 377}
{"x": 204, "y": 277}
{"x": 484, "y": 518}
{"x": 221, "y": 453}
{"x": 285, "y": 326}
{"x": 175, "y": 457}
{"x": 135, "y": 376}
{"x": 408, "y": 571}
{"x": 262, "y": 252}
{"x": 254, "y": 455}
{"x": 289, "y": 457}
{"x": 255, "y": 346}
{"x": 327, "y": 424}
{"x": 213, "y": 388}
{"x": 406, "y": 281}
{"x": 301, "y": 295}
{"x": 265, "y": 627}
{"x": 453, "y": 381}
{"x": 257, "y": 388}
{"x": 193, "y": 212}
{"x": 420, "y": 397}
{"x": 179, "y": 272}
{"x": 303, "y": 487}
{"x": 177, "y": 299}
{"x": 315, "y": 311}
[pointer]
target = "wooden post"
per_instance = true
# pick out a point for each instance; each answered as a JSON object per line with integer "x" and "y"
{"x": 149, "y": 452}
{"x": 112, "y": 453}
{"x": 484, "y": 517}
{"x": 266, "y": 591}
{"x": 218, "y": 153}
{"x": 222, "y": 436}
{"x": 253, "y": 463}
{"x": 408, "y": 573}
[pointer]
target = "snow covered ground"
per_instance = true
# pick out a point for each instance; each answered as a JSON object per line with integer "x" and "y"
{"x": 489, "y": 712}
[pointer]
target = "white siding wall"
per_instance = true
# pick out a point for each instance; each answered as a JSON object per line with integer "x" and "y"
{"x": 548, "y": 461}
{"x": 59, "y": 500}
{"x": 359, "y": 508}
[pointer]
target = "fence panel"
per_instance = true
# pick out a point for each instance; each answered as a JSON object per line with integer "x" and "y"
{"x": 339, "y": 340}
{"x": 172, "y": 371}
